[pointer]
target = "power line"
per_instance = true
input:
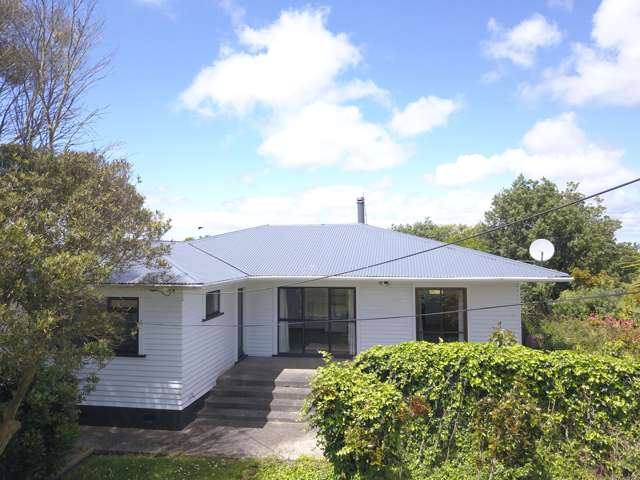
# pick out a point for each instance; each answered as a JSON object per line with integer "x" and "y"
{"x": 418, "y": 315}
{"x": 442, "y": 245}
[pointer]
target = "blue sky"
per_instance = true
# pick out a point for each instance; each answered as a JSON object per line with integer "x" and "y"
{"x": 243, "y": 113}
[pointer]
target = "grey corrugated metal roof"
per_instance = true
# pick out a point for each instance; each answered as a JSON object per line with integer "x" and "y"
{"x": 188, "y": 265}
{"x": 318, "y": 250}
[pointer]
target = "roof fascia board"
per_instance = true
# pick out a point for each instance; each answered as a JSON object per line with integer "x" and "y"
{"x": 373, "y": 279}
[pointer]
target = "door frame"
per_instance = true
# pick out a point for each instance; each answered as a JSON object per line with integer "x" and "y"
{"x": 240, "y": 320}
{"x": 419, "y": 327}
{"x": 328, "y": 321}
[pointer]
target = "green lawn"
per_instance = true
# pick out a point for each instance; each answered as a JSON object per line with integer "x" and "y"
{"x": 133, "y": 467}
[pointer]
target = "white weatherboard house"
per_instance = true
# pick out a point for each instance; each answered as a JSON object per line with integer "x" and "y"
{"x": 260, "y": 292}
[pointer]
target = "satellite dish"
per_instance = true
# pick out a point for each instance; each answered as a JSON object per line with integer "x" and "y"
{"x": 541, "y": 250}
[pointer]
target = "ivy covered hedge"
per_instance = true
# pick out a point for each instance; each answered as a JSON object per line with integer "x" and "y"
{"x": 450, "y": 410}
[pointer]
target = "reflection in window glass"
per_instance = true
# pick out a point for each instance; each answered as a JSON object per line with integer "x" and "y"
{"x": 212, "y": 308}
{"x": 316, "y": 318}
{"x": 316, "y": 303}
{"x": 441, "y": 314}
{"x": 128, "y": 312}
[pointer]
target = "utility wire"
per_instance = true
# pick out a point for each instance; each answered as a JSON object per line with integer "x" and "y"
{"x": 418, "y": 315}
{"x": 442, "y": 245}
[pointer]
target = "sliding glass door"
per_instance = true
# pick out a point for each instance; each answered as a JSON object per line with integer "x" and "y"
{"x": 441, "y": 314}
{"x": 315, "y": 319}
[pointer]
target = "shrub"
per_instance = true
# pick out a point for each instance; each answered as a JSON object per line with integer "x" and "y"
{"x": 603, "y": 334}
{"x": 420, "y": 410}
{"x": 502, "y": 337}
{"x": 593, "y": 301}
{"x": 49, "y": 418}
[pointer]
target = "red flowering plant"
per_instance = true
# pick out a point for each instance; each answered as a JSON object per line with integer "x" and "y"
{"x": 622, "y": 332}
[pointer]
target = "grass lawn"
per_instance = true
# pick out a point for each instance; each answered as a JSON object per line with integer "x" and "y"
{"x": 133, "y": 467}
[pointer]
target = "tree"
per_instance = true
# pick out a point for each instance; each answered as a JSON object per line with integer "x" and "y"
{"x": 445, "y": 233}
{"x": 45, "y": 69}
{"x": 583, "y": 234}
{"x": 67, "y": 223}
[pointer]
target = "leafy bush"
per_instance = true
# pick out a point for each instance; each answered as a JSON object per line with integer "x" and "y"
{"x": 502, "y": 337}
{"x": 604, "y": 334}
{"x": 422, "y": 410}
{"x": 49, "y": 418}
{"x": 590, "y": 316}
{"x": 582, "y": 302}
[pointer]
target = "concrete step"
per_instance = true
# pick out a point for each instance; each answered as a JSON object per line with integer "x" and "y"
{"x": 253, "y": 415}
{"x": 264, "y": 372}
{"x": 261, "y": 391}
{"x": 275, "y": 404}
{"x": 239, "y": 422}
{"x": 256, "y": 392}
{"x": 255, "y": 381}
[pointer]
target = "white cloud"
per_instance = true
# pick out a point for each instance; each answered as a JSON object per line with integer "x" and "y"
{"x": 555, "y": 135}
{"x": 357, "y": 89}
{"x": 322, "y": 134}
{"x": 331, "y": 204}
{"x": 286, "y": 64}
{"x": 521, "y": 43}
{"x": 554, "y": 148}
{"x": 605, "y": 72}
{"x": 294, "y": 71}
{"x": 423, "y": 115}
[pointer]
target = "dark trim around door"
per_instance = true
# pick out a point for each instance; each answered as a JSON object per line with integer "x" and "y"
{"x": 328, "y": 321}
{"x": 419, "y": 330}
{"x": 240, "y": 319}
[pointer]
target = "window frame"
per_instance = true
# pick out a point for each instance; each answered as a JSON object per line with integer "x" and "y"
{"x": 420, "y": 332}
{"x": 329, "y": 319}
{"x": 209, "y": 315}
{"x": 118, "y": 352}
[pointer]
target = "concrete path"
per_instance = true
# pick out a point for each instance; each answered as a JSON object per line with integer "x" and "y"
{"x": 248, "y": 429}
{"x": 286, "y": 441}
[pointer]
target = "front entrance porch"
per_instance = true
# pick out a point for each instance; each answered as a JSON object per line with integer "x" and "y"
{"x": 260, "y": 390}
{"x": 251, "y": 412}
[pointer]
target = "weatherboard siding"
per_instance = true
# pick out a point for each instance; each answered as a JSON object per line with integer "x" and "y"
{"x": 481, "y": 323}
{"x": 398, "y": 299}
{"x": 152, "y": 381}
{"x": 184, "y": 356}
{"x": 260, "y": 319}
{"x": 374, "y": 300}
{"x": 209, "y": 347}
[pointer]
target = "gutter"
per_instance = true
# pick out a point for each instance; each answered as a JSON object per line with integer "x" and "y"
{"x": 373, "y": 279}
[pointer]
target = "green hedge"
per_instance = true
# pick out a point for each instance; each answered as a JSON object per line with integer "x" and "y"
{"x": 418, "y": 409}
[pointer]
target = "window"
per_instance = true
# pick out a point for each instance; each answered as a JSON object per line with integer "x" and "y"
{"x": 129, "y": 312}
{"x": 313, "y": 319}
{"x": 441, "y": 314}
{"x": 212, "y": 308}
